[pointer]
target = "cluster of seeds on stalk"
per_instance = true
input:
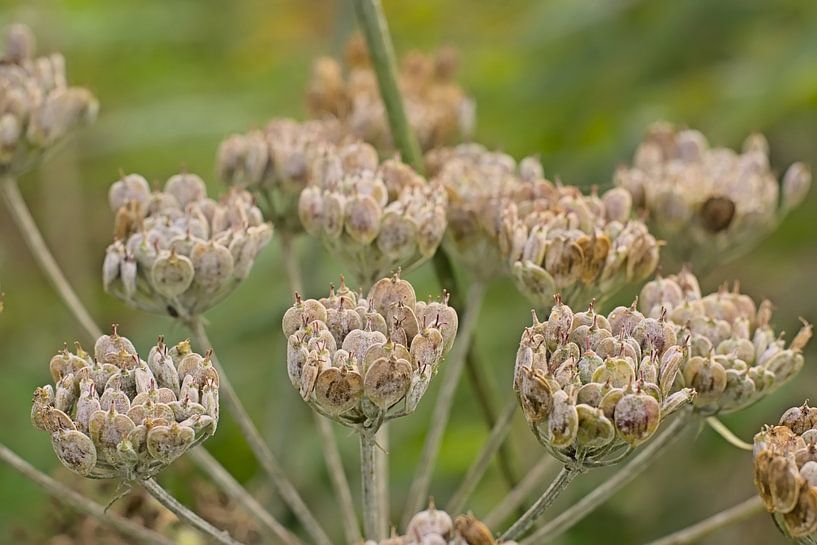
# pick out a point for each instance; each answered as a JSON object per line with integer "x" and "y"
{"x": 594, "y": 386}
{"x": 438, "y": 110}
{"x": 37, "y": 107}
{"x": 734, "y": 357}
{"x": 276, "y": 162}
{"x": 785, "y": 470}
{"x": 374, "y": 216}
{"x": 361, "y": 361}
{"x": 704, "y": 200}
{"x": 177, "y": 251}
{"x": 114, "y": 414}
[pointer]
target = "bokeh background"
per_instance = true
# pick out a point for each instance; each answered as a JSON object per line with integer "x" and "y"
{"x": 576, "y": 81}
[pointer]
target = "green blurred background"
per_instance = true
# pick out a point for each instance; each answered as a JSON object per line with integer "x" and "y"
{"x": 576, "y": 81}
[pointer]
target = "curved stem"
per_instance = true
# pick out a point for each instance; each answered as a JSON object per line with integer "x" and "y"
{"x": 575, "y": 513}
{"x": 185, "y": 514}
{"x": 237, "y": 492}
{"x": 562, "y": 481}
{"x": 480, "y": 464}
{"x": 442, "y": 408}
{"x": 34, "y": 239}
{"x": 262, "y": 452}
{"x": 520, "y": 492}
{"x": 733, "y": 515}
{"x": 331, "y": 453}
{"x": 372, "y": 525}
{"x": 727, "y": 434}
{"x": 80, "y": 503}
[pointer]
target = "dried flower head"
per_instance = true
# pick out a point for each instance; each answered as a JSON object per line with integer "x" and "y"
{"x": 113, "y": 414}
{"x": 593, "y": 387}
{"x": 436, "y": 527}
{"x": 363, "y": 361}
{"x": 785, "y": 471}
{"x": 439, "y": 112}
{"x": 734, "y": 357}
{"x": 711, "y": 204}
{"x": 37, "y": 107}
{"x": 177, "y": 251}
{"x": 275, "y": 163}
{"x": 375, "y": 217}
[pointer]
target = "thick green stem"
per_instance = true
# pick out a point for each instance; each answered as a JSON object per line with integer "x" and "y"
{"x": 381, "y": 51}
{"x": 372, "y": 524}
{"x": 34, "y": 239}
{"x": 262, "y": 452}
{"x": 442, "y": 408}
{"x": 575, "y": 513}
{"x": 80, "y": 503}
{"x": 562, "y": 481}
{"x": 696, "y": 532}
{"x": 185, "y": 514}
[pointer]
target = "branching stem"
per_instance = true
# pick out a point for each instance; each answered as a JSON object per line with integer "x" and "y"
{"x": 372, "y": 525}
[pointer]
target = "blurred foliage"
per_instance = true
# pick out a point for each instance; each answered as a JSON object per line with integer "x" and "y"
{"x": 576, "y": 81}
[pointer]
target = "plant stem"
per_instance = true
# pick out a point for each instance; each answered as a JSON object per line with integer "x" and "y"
{"x": 331, "y": 454}
{"x": 34, "y": 239}
{"x": 520, "y": 492}
{"x": 262, "y": 452}
{"x": 185, "y": 514}
{"x": 727, "y": 434}
{"x": 238, "y": 493}
{"x": 480, "y": 464}
{"x": 381, "y": 51}
{"x": 445, "y": 399}
{"x": 575, "y": 513}
{"x": 562, "y": 481}
{"x": 381, "y": 464}
{"x": 733, "y": 515}
{"x": 372, "y": 525}
{"x": 80, "y": 503}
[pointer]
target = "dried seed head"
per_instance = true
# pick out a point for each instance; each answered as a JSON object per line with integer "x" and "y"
{"x": 363, "y": 360}
{"x": 132, "y": 417}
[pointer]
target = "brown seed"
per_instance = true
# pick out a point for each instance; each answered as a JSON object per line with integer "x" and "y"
{"x": 717, "y": 213}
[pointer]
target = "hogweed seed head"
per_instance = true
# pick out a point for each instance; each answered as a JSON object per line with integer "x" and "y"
{"x": 375, "y": 217}
{"x": 37, "y": 107}
{"x": 177, "y": 251}
{"x": 113, "y": 414}
{"x": 592, "y": 387}
{"x": 785, "y": 471}
{"x": 732, "y": 356}
{"x": 436, "y": 527}
{"x": 711, "y": 204}
{"x": 439, "y": 112}
{"x": 362, "y": 361}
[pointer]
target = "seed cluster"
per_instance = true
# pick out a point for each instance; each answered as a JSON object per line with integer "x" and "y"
{"x": 438, "y": 110}
{"x": 37, "y": 108}
{"x": 592, "y": 387}
{"x": 117, "y": 415}
{"x": 785, "y": 470}
{"x": 276, "y": 163}
{"x": 177, "y": 251}
{"x": 374, "y": 217}
{"x": 709, "y": 203}
{"x": 507, "y": 218}
{"x": 362, "y": 361}
{"x": 436, "y": 527}
{"x": 734, "y": 357}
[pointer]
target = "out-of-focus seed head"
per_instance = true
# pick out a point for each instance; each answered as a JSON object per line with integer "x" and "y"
{"x": 37, "y": 107}
{"x": 438, "y": 110}
{"x": 710, "y": 204}
{"x": 365, "y": 360}
{"x": 785, "y": 471}
{"x": 178, "y": 252}
{"x": 116, "y": 415}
